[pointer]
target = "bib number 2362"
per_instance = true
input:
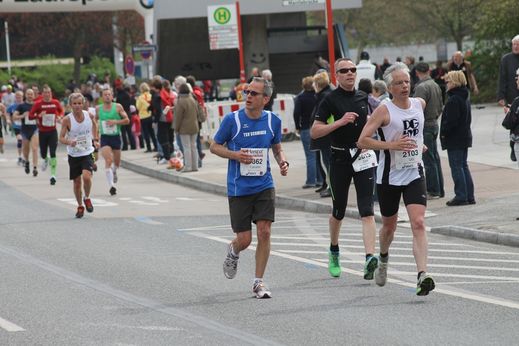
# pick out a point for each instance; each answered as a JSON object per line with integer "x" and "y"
{"x": 258, "y": 166}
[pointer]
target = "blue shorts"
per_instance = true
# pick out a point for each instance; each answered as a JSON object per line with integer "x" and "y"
{"x": 111, "y": 141}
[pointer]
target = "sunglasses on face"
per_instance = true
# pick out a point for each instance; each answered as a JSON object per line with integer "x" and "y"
{"x": 251, "y": 93}
{"x": 346, "y": 70}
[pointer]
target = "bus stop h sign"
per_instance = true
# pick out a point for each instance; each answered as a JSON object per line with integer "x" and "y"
{"x": 223, "y": 27}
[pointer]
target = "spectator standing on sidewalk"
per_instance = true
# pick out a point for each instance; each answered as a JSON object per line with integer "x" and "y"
{"x": 123, "y": 98}
{"x": 144, "y": 109}
{"x": 456, "y": 137}
{"x": 304, "y": 104}
{"x": 186, "y": 127}
{"x": 430, "y": 92}
{"x": 458, "y": 63}
{"x": 267, "y": 75}
{"x": 506, "y": 90}
{"x": 514, "y": 110}
{"x": 198, "y": 93}
{"x": 321, "y": 145}
{"x": 365, "y": 69}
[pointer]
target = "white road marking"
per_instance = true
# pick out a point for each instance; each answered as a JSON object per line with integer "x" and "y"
{"x": 360, "y": 240}
{"x": 452, "y": 283}
{"x": 147, "y": 220}
{"x": 96, "y": 202}
{"x": 10, "y": 326}
{"x": 155, "y": 199}
{"x": 142, "y": 202}
{"x": 447, "y": 291}
{"x": 410, "y": 256}
{"x": 391, "y": 263}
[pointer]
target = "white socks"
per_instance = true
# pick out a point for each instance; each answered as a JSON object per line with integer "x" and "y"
{"x": 109, "y": 176}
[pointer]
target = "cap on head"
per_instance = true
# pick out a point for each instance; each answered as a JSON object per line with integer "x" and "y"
{"x": 364, "y": 55}
{"x": 4, "y": 88}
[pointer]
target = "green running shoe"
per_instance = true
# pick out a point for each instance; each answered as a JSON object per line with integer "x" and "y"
{"x": 369, "y": 267}
{"x": 334, "y": 265}
{"x": 425, "y": 285}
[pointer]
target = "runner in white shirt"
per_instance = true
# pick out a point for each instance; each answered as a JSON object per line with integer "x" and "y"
{"x": 400, "y": 170}
{"x": 78, "y": 132}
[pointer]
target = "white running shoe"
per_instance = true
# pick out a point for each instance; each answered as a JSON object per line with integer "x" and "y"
{"x": 44, "y": 164}
{"x": 230, "y": 264}
{"x": 162, "y": 162}
{"x": 261, "y": 290}
{"x": 381, "y": 273}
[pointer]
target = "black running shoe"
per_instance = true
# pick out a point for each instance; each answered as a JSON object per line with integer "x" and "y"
{"x": 113, "y": 191}
{"x": 34, "y": 172}
{"x": 52, "y": 181}
{"x": 27, "y": 168}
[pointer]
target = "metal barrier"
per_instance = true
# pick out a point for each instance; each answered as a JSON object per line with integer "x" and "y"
{"x": 283, "y": 106}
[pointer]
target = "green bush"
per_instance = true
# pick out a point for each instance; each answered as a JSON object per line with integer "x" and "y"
{"x": 57, "y": 76}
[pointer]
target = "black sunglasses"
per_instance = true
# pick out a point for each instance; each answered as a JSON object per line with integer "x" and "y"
{"x": 251, "y": 92}
{"x": 346, "y": 70}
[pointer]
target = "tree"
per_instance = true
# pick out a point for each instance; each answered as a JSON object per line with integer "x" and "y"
{"x": 76, "y": 34}
{"x": 494, "y": 32}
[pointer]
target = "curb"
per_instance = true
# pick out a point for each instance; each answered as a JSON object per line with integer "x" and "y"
{"x": 478, "y": 235}
{"x": 282, "y": 201}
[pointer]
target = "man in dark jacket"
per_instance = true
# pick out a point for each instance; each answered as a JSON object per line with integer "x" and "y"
{"x": 304, "y": 104}
{"x": 124, "y": 99}
{"x": 507, "y": 90}
{"x": 427, "y": 89}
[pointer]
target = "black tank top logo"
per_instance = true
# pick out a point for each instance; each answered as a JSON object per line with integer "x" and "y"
{"x": 411, "y": 127}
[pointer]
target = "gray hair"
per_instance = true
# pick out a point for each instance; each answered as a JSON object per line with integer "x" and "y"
{"x": 74, "y": 96}
{"x": 516, "y": 38}
{"x": 380, "y": 86}
{"x": 398, "y": 66}
{"x": 336, "y": 65}
{"x": 267, "y": 85}
{"x": 266, "y": 74}
{"x": 178, "y": 81}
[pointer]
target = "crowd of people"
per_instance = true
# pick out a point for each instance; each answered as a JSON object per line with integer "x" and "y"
{"x": 104, "y": 118}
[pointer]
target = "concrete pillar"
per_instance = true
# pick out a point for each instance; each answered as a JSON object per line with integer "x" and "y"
{"x": 255, "y": 44}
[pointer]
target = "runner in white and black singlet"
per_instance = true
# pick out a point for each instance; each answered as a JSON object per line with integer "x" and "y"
{"x": 78, "y": 132}
{"x": 400, "y": 172}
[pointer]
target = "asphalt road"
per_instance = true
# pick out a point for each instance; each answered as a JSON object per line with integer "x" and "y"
{"x": 145, "y": 269}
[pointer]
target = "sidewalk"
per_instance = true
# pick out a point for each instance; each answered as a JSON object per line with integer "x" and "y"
{"x": 496, "y": 179}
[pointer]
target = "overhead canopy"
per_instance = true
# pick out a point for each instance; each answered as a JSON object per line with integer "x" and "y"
{"x": 192, "y": 9}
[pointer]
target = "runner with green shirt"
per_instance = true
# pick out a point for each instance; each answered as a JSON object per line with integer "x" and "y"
{"x": 110, "y": 116}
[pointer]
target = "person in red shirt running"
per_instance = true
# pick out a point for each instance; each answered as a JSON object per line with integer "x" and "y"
{"x": 47, "y": 112}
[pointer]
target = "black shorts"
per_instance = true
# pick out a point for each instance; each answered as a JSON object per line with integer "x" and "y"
{"x": 79, "y": 164}
{"x": 112, "y": 141}
{"x": 28, "y": 132}
{"x": 389, "y": 196}
{"x": 341, "y": 174}
{"x": 251, "y": 208}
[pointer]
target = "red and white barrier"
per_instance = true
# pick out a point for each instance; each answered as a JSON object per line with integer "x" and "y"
{"x": 283, "y": 106}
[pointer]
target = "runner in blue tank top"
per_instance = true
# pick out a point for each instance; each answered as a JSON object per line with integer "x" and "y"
{"x": 249, "y": 134}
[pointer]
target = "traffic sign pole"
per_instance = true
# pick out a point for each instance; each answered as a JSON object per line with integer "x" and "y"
{"x": 331, "y": 41}
{"x": 240, "y": 44}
